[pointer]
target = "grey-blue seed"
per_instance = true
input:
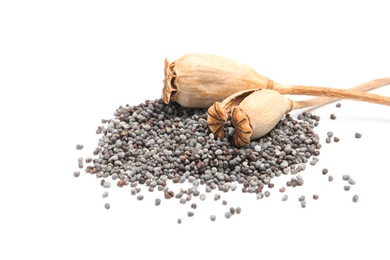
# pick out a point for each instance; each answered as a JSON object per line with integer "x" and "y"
{"x": 213, "y": 218}
{"x": 105, "y": 194}
{"x": 351, "y": 181}
{"x": 228, "y": 214}
{"x": 347, "y": 188}
{"x": 202, "y": 197}
{"x": 285, "y": 197}
{"x": 355, "y": 198}
{"x": 358, "y": 135}
{"x": 238, "y": 210}
{"x": 76, "y": 174}
{"x": 157, "y": 202}
{"x": 107, "y": 205}
{"x": 79, "y": 146}
{"x": 345, "y": 177}
{"x": 140, "y": 197}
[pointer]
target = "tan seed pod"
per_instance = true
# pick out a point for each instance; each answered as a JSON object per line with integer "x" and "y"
{"x": 199, "y": 80}
{"x": 258, "y": 114}
{"x": 254, "y": 113}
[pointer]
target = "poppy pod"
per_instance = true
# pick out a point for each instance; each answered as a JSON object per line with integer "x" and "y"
{"x": 253, "y": 113}
{"x": 199, "y": 80}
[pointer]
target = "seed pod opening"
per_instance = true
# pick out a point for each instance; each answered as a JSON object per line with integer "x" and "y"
{"x": 199, "y": 80}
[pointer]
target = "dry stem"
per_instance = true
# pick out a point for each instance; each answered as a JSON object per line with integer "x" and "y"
{"x": 332, "y": 94}
{"x": 320, "y": 101}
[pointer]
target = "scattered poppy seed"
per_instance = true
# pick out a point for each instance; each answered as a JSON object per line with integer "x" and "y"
{"x": 282, "y": 189}
{"x": 267, "y": 193}
{"x": 79, "y": 146}
{"x": 213, "y": 218}
{"x": 345, "y": 177}
{"x": 336, "y": 139}
{"x": 179, "y": 221}
{"x": 228, "y": 214}
{"x": 169, "y": 194}
{"x": 285, "y": 197}
{"x": 153, "y": 143}
{"x": 358, "y": 135}
{"x": 333, "y": 116}
{"x": 351, "y": 181}
{"x": 232, "y": 210}
{"x": 329, "y": 134}
{"x": 347, "y": 187}
{"x": 217, "y": 196}
{"x": 328, "y": 140}
{"x": 107, "y": 205}
{"x": 330, "y": 178}
{"x": 315, "y": 197}
{"x": 301, "y": 198}
{"x": 76, "y": 174}
{"x": 324, "y": 171}
{"x": 190, "y": 213}
{"x": 238, "y": 210}
{"x": 105, "y": 194}
{"x": 140, "y": 197}
{"x": 157, "y": 202}
{"x": 338, "y": 105}
{"x": 183, "y": 201}
{"x": 106, "y": 184}
{"x": 88, "y": 160}
{"x": 224, "y": 202}
{"x": 303, "y": 204}
{"x": 355, "y": 198}
{"x": 193, "y": 205}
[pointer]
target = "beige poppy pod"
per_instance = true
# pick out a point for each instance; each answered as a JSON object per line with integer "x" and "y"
{"x": 253, "y": 113}
{"x": 258, "y": 114}
{"x": 199, "y": 80}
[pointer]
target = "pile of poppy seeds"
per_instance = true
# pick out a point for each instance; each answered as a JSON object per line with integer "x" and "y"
{"x": 155, "y": 145}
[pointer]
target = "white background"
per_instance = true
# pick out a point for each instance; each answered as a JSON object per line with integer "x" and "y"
{"x": 65, "y": 65}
